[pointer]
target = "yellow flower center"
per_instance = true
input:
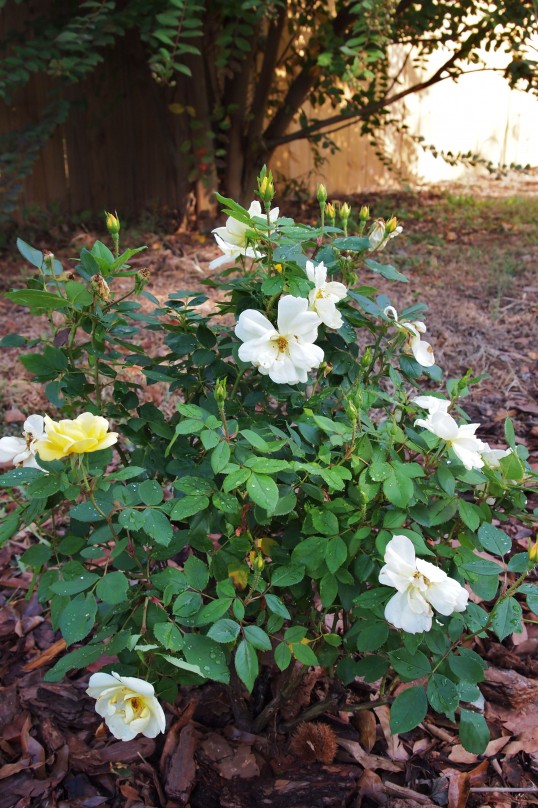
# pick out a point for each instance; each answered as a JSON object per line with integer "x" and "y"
{"x": 282, "y": 344}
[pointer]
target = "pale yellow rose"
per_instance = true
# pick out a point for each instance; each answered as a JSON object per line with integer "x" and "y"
{"x": 127, "y": 704}
{"x": 86, "y": 433}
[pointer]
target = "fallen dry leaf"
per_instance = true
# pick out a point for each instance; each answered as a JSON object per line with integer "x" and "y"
{"x": 368, "y": 761}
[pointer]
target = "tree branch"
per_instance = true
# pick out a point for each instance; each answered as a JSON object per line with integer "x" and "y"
{"x": 263, "y": 86}
{"x": 376, "y": 106}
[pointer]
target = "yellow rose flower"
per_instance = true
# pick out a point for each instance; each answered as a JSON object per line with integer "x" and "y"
{"x": 86, "y": 433}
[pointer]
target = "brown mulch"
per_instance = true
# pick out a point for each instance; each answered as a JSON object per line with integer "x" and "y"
{"x": 476, "y": 270}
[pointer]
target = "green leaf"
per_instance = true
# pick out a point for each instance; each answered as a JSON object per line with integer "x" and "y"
{"x": 257, "y": 637}
{"x": 33, "y": 256}
{"x": 212, "y": 611}
{"x": 410, "y": 666}
{"x": 469, "y": 514}
{"x": 442, "y": 694}
{"x": 510, "y": 434}
{"x": 328, "y": 589}
{"x": 150, "y": 492}
{"x": 506, "y": 618}
{"x": 467, "y": 665}
{"x": 482, "y": 566}
{"x": 474, "y": 732}
{"x": 75, "y": 585}
{"x": 188, "y": 506}
{"x": 408, "y": 710}
{"x": 44, "y": 486}
{"x": 78, "y": 618}
{"x": 263, "y": 491}
{"x": 22, "y": 476}
{"x": 196, "y": 572}
{"x": 224, "y": 630}
{"x": 113, "y": 587}
{"x": 352, "y": 243}
{"x": 398, "y": 488}
{"x": 336, "y": 553}
{"x": 168, "y": 635}
{"x": 276, "y": 606}
{"x": 325, "y": 522}
{"x": 255, "y": 440}
{"x": 208, "y": 655}
{"x": 220, "y": 457}
{"x": 385, "y": 270}
{"x": 186, "y": 666}
{"x": 79, "y": 658}
{"x": 157, "y": 525}
{"x": 194, "y": 486}
{"x": 37, "y": 300}
{"x": 493, "y": 539}
{"x": 373, "y": 636}
{"x": 282, "y": 656}
{"x": 246, "y": 664}
{"x": 288, "y": 576}
{"x": 266, "y": 465}
{"x": 303, "y": 653}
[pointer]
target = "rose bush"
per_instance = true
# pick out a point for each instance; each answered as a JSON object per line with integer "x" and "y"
{"x": 296, "y": 510}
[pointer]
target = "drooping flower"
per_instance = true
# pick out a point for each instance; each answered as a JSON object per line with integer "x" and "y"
{"x": 21, "y": 451}
{"x": 491, "y": 457}
{"x": 127, "y": 704}
{"x": 432, "y": 403}
{"x": 86, "y": 433}
{"x": 287, "y": 353}
{"x": 421, "y": 587}
{"x": 324, "y": 297}
{"x": 462, "y": 438}
{"x": 421, "y": 350}
{"x": 232, "y": 239}
{"x": 381, "y": 232}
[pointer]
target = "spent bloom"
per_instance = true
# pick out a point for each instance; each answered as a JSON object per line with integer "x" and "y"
{"x": 324, "y": 297}
{"x": 466, "y": 446}
{"x": 381, "y": 232}
{"x": 127, "y": 704}
{"x": 86, "y": 433}
{"x": 232, "y": 238}
{"x": 421, "y": 587}
{"x": 286, "y": 353}
{"x": 21, "y": 451}
{"x": 421, "y": 350}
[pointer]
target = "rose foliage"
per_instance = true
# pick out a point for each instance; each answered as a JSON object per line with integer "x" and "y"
{"x": 310, "y": 493}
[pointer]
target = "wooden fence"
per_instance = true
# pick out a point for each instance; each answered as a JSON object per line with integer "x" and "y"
{"x": 121, "y": 146}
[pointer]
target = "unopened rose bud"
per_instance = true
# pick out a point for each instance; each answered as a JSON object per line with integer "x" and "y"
{"x": 258, "y": 563}
{"x": 321, "y": 195}
{"x": 278, "y": 267}
{"x": 100, "y": 287}
{"x": 330, "y": 212}
{"x": 266, "y": 189}
{"x": 48, "y": 260}
{"x": 345, "y": 212}
{"x": 364, "y": 213}
{"x": 391, "y": 225}
{"x": 220, "y": 390}
{"x": 112, "y": 223}
{"x": 533, "y": 552}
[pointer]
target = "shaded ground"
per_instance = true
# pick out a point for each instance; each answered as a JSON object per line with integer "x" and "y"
{"x": 475, "y": 263}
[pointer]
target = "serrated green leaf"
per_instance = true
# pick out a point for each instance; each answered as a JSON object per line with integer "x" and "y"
{"x": 246, "y": 664}
{"x": 409, "y": 709}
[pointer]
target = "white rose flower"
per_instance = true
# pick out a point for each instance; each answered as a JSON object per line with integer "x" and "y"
{"x": 491, "y": 456}
{"x": 21, "y": 451}
{"x": 324, "y": 296}
{"x": 232, "y": 239}
{"x": 287, "y": 353}
{"x": 421, "y": 350}
{"x": 420, "y": 586}
{"x": 127, "y": 704}
{"x": 378, "y": 236}
{"x": 462, "y": 439}
{"x": 432, "y": 403}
